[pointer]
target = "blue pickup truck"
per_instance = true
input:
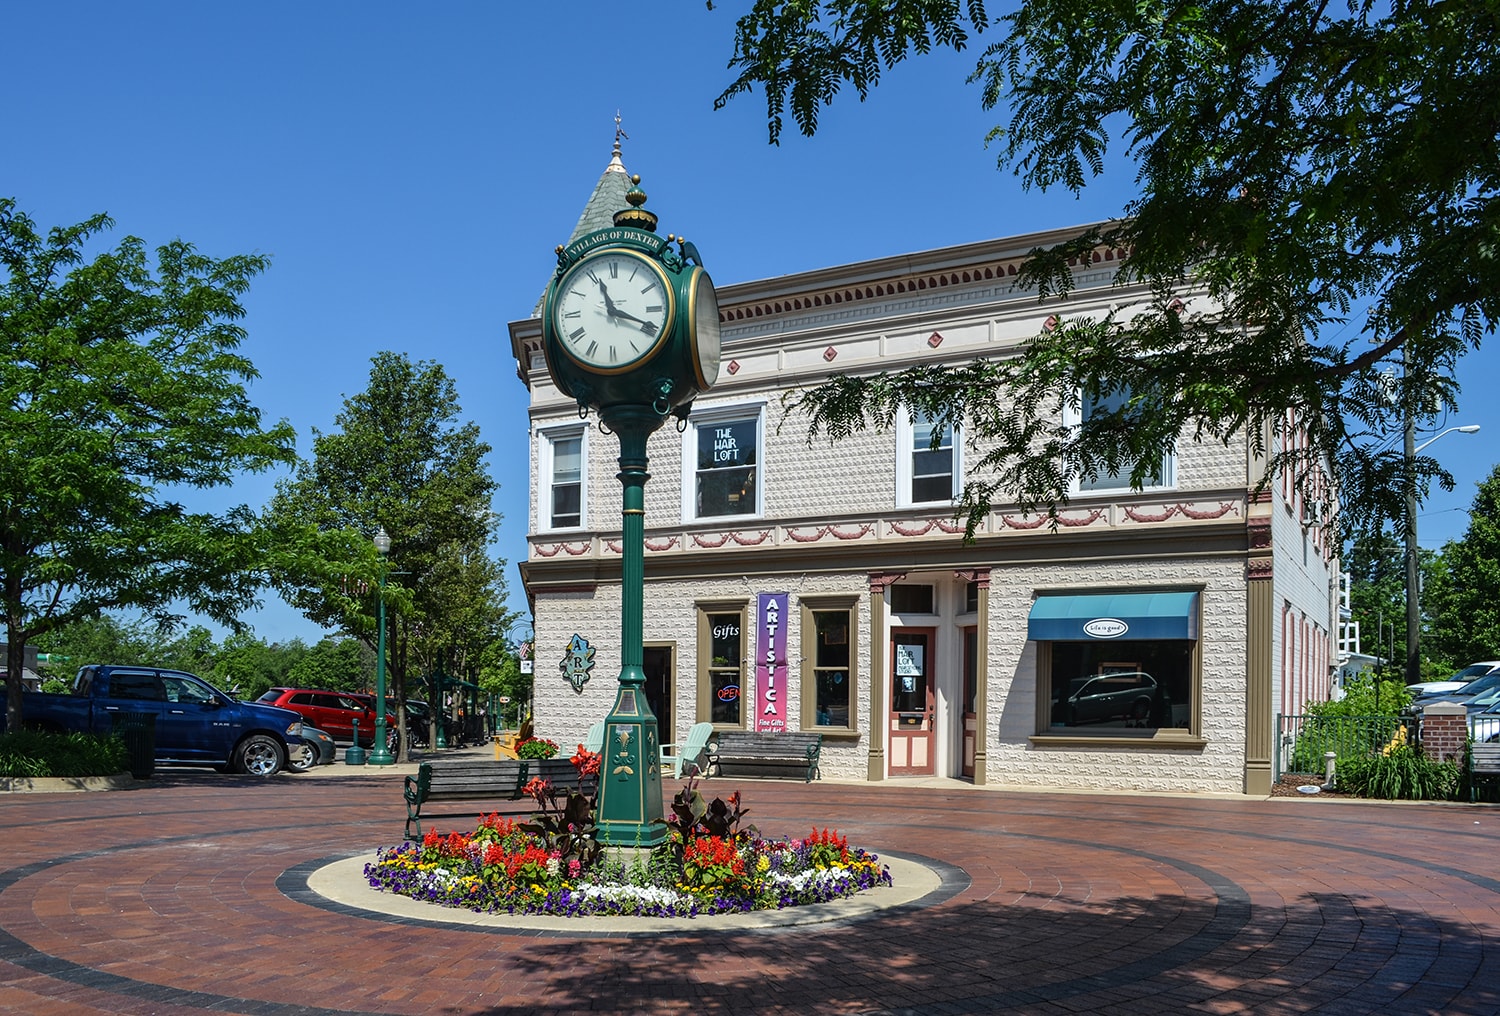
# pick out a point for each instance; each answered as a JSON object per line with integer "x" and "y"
{"x": 195, "y": 723}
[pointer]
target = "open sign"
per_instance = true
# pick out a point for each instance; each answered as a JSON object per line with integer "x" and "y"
{"x": 729, "y": 693}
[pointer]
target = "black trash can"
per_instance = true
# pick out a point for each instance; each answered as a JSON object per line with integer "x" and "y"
{"x": 138, "y": 731}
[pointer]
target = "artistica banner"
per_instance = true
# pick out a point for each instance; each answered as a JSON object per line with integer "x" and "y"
{"x": 770, "y": 662}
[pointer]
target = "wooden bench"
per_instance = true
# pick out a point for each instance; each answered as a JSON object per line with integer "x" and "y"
{"x": 1484, "y": 763}
{"x": 500, "y": 781}
{"x": 747, "y": 753}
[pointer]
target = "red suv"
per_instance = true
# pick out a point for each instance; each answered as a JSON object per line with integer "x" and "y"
{"x": 333, "y": 711}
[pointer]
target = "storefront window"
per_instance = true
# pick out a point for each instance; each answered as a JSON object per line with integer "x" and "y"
{"x": 829, "y": 657}
{"x": 724, "y": 643}
{"x": 831, "y": 668}
{"x": 1105, "y": 688}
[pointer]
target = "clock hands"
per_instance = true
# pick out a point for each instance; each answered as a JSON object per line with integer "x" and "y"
{"x": 609, "y": 305}
{"x": 612, "y": 311}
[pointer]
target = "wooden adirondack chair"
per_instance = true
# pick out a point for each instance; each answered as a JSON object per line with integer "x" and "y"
{"x": 595, "y": 740}
{"x": 505, "y": 744}
{"x": 690, "y": 754}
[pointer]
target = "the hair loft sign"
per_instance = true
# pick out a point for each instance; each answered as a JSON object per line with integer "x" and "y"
{"x": 1105, "y": 628}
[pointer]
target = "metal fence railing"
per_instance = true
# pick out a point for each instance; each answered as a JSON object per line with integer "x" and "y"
{"x": 1303, "y": 740}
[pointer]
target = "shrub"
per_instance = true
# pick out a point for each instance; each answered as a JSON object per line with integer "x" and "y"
{"x": 34, "y": 753}
{"x": 1400, "y": 772}
{"x": 536, "y": 747}
{"x": 1359, "y": 723}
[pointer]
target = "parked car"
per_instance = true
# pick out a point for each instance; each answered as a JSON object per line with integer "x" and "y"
{"x": 1463, "y": 696}
{"x": 333, "y": 711}
{"x": 318, "y": 749}
{"x": 1130, "y": 696}
{"x": 1455, "y": 682}
{"x": 1484, "y": 725}
{"x": 191, "y": 721}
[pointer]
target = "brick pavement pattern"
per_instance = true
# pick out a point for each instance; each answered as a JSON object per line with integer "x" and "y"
{"x": 173, "y": 899}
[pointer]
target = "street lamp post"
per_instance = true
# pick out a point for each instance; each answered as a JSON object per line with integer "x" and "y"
{"x": 1413, "y": 581}
{"x": 381, "y": 755}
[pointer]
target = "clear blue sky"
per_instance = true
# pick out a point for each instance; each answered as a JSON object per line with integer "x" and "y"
{"x": 409, "y": 168}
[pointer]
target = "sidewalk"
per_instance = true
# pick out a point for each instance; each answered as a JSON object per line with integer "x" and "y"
{"x": 191, "y": 894}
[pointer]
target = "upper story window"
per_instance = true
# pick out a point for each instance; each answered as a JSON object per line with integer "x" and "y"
{"x": 913, "y": 599}
{"x": 563, "y": 473}
{"x": 724, "y": 448}
{"x": 927, "y": 470}
{"x": 1165, "y": 477}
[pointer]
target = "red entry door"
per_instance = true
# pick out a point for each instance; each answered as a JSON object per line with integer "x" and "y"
{"x": 912, "y": 740}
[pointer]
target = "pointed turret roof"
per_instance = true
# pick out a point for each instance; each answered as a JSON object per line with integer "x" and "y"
{"x": 607, "y": 199}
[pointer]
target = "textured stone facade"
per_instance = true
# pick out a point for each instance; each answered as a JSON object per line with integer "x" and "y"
{"x": 828, "y": 516}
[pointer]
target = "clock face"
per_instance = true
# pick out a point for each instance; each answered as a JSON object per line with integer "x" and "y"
{"x": 612, "y": 310}
{"x": 705, "y": 309}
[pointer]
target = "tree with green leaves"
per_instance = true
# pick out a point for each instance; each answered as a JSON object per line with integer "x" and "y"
{"x": 1327, "y": 172}
{"x": 401, "y": 460}
{"x": 1463, "y": 597}
{"x": 338, "y": 664}
{"x": 121, "y": 386}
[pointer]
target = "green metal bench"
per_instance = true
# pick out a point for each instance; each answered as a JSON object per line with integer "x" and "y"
{"x": 500, "y": 781}
{"x": 747, "y": 753}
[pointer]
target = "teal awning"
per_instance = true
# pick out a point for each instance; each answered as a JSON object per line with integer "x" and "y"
{"x": 1093, "y": 617}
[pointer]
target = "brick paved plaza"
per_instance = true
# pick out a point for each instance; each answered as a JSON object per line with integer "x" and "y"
{"x": 190, "y": 895}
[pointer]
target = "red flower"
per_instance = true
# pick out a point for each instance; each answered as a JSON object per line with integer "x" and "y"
{"x": 586, "y": 762}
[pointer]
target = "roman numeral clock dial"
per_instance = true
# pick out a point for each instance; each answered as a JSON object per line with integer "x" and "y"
{"x": 612, "y": 310}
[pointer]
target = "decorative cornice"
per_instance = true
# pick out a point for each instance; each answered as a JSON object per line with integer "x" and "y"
{"x": 1258, "y": 569}
{"x": 794, "y": 535}
{"x": 568, "y": 548}
{"x": 893, "y": 286}
{"x": 709, "y": 543}
{"x": 981, "y": 576}
{"x": 1184, "y": 508}
{"x": 948, "y": 526}
{"x": 1259, "y": 529}
{"x": 880, "y": 581}
{"x": 1027, "y": 522}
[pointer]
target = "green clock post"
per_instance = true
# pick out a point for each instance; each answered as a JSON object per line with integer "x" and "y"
{"x": 630, "y": 330}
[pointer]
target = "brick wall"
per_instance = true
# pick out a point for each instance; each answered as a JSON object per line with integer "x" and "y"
{"x": 1445, "y": 731}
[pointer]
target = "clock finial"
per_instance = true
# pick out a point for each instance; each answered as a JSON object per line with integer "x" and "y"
{"x": 616, "y": 164}
{"x": 637, "y": 214}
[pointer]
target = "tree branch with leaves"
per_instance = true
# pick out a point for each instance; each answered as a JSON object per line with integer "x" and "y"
{"x": 1326, "y": 173}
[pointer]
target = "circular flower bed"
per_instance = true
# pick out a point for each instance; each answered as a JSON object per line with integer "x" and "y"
{"x": 710, "y": 863}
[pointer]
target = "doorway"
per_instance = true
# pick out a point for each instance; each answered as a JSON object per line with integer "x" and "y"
{"x": 913, "y": 702}
{"x": 657, "y": 665}
{"x": 969, "y": 719}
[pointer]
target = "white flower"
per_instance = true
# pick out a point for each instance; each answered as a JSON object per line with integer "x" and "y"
{"x": 641, "y": 894}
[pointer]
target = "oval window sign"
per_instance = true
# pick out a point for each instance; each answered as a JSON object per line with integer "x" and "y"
{"x": 1106, "y": 628}
{"x": 729, "y": 693}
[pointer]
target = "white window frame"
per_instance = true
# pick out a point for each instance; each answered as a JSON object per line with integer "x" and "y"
{"x": 1074, "y": 418}
{"x": 708, "y": 418}
{"x": 546, "y": 441}
{"x": 906, "y": 450}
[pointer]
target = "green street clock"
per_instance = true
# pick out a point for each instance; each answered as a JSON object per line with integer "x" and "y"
{"x": 629, "y": 321}
{"x": 630, "y": 329}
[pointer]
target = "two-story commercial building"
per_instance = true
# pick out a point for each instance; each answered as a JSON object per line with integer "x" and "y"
{"x": 1146, "y": 642}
